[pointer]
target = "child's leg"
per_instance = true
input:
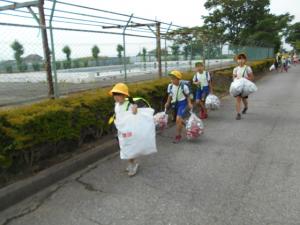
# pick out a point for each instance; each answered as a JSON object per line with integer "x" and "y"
{"x": 179, "y": 125}
{"x": 245, "y": 102}
{"x": 238, "y": 104}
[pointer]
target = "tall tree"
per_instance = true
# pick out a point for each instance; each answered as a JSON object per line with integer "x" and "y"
{"x": 293, "y": 36}
{"x": 234, "y": 16}
{"x": 95, "y": 53}
{"x": 120, "y": 49}
{"x": 175, "y": 50}
{"x": 19, "y": 51}
{"x": 67, "y": 51}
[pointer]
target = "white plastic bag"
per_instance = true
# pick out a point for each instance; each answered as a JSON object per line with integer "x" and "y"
{"x": 236, "y": 87}
{"x": 272, "y": 67}
{"x": 243, "y": 87}
{"x": 161, "y": 120}
{"x": 212, "y": 102}
{"x": 249, "y": 88}
{"x": 136, "y": 133}
{"x": 194, "y": 127}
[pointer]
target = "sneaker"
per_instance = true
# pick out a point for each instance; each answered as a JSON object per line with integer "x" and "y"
{"x": 202, "y": 115}
{"x": 133, "y": 170}
{"x": 244, "y": 110}
{"x": 205, "y": 116}
{"x": 238, "y": 116}
{"x": 177, "y": 139}
{"x": 129, "y": 166}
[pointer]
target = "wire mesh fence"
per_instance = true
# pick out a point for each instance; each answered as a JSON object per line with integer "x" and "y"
{"x": 88, "y": 57}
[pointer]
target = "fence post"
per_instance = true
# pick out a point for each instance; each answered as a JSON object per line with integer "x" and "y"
{"x": 158, "y": 48}
{"x": 46, "y": 49}
{"x": 56, "y": 91}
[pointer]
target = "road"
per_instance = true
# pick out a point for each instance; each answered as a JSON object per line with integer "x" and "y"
{"x": 238, "y": 173}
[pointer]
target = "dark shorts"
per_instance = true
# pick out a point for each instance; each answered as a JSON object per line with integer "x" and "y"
{"x": 180, "y": 108}
{"x": 201, "y": 94}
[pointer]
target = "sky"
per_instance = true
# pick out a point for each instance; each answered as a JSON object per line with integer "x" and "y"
{"x": 188, "y": 14}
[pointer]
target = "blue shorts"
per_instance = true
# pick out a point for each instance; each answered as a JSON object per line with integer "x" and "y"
{"x": 201, "y": 94}
{"x": 180, "y": 108}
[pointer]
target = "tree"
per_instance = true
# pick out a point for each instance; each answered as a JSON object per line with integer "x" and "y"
{"x": 67, "y": 51}
{"x": 186, "y": 51}
{"x": 233, "y": 16}
{"x": 95, "y": 53}
{"x": 293, "y": 36}
{"x": 120, "y": 49}
{"x": 19, "y": 51}
{"x": 144, "y": 53}
{"x": 175, "y": 50}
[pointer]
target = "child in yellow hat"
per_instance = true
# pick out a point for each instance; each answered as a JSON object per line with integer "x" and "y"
{"x": 179, "y": 97}
{"x": 123, "y": 102}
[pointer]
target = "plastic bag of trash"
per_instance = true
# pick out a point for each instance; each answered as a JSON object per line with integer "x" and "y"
{"x": 161, "y": 120}
{"x": 194, "y": 127}
{"x": 236, "y": 87}
{"x": 272, "y": 67}
{"x": 212, "y": 102}
{"x": 136, "y": 133}
{"x": 249, "y": 88}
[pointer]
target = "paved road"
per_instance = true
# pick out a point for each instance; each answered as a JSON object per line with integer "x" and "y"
{"x": 239, "y": 173}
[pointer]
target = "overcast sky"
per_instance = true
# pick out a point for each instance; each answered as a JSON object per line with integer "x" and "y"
{"x": 187, "y": 13}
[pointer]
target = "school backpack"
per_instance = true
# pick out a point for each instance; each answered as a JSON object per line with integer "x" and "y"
{"x": 181, "y": 85}
{"x": 206, "y": 74}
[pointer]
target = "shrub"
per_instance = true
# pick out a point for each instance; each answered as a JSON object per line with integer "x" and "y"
{"x": 30, "y": 133}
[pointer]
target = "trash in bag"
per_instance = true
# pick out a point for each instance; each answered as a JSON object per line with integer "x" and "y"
{"x": 236, "y": 87}
{"x": 136, "y": 133}
{"x": 194, "y": 127}
{"x": 161, "y": 120}
{"x": 249, "y": 88}
{"x": 212, "y": 102}
{"x": 272, "y": 67}
{"x": 243, "y": 87}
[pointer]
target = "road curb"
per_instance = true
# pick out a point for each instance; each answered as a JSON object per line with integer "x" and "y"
{"x": 20, "y": 190}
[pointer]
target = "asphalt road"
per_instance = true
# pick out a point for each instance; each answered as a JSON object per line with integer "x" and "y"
{"x": 238, "y": 173}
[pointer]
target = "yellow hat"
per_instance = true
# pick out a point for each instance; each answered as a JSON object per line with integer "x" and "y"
{"x": 176, "y": 74}
{"x": 120, "y": 88}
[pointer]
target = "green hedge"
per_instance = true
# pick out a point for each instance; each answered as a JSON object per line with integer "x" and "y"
{"x": 32, "y": 133}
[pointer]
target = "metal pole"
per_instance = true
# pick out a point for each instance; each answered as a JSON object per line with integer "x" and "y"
{"x": 124, "y": 48}
{"x": 166, "y": 67}
{"x": 46, "y": 49}
{"x": 56, "y": 91}
{"x": 158, "y": 49}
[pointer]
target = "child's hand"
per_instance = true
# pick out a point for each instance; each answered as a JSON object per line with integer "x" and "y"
{"x": 134, "y": 109}
{"x": 190, "y": 105}
{"x": 167, "y": 105}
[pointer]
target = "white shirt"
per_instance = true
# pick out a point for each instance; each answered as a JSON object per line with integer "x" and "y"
{"x": 244, "y": 71}
{"x": 174, "y": 91}
{"x": 202, "y": 78}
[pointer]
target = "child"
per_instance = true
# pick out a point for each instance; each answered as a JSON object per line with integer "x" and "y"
{"x": 203, "y": 82}
{"x": 242, "y": 70}
{"x": 120, "y": 93}
{"x": 178, "y": 96}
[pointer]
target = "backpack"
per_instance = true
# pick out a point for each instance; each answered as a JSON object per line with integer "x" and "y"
{"x": 181, "y": 85}
{"x": 206, "y": 74}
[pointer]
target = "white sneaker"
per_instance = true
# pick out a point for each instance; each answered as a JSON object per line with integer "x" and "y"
{"x": 133, "y": 170}
{"x": 129, "y": 166}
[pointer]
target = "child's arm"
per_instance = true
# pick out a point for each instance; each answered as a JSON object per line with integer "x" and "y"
{"x": 250, "y": 74}
{"x": 168, "y": 102}
{"x": 190, "y": 103}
